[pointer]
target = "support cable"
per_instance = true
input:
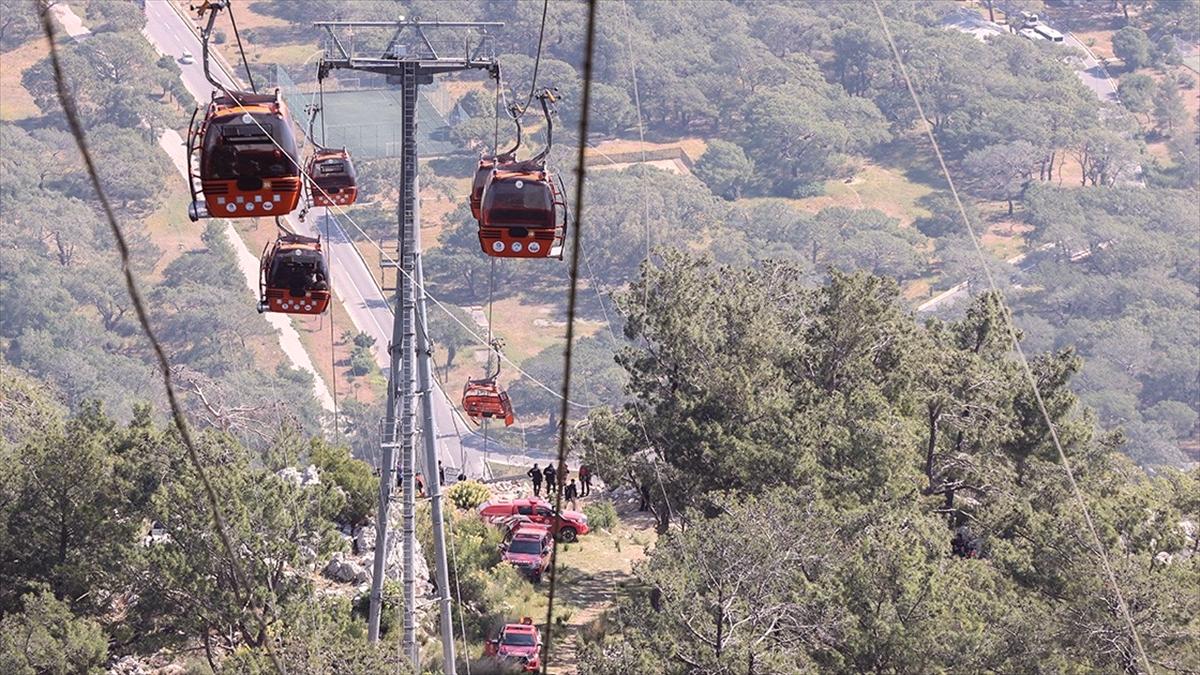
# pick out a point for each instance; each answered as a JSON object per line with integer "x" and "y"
{"x": 572, "y": 296}
{"x": 537, "y": 62}
{"x": 637, "y": 413}
{"x": 72, "y": 115}
{"x": 241, "y": 49}
{"x": 1016, "y": 343}
{"x": 637, "y": 104}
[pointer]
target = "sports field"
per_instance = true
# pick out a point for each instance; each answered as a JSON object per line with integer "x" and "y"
{"x": 367, "y": 121}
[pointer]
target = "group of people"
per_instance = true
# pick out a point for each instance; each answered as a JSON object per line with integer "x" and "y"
{"x": 549, "y": 476}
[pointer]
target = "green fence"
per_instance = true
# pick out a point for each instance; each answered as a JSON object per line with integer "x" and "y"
{"x": 367, "y": 121}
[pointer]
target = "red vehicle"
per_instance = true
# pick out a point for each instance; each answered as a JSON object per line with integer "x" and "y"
{"x": 518, "y": 643}
{"x": 567, "y": 526}
{"x": 332, "y": 178}
{"x": 528, "y": 549}
{"x": 293, "y": 277}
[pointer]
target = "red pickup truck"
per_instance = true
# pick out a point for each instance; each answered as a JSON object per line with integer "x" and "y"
{"x": 519, "y": 644}
{"x": 567, "y": 526}
{"x": 528, "y": 550}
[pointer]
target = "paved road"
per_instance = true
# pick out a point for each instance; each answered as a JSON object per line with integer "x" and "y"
{"x": 353, "y": 281}
{"x": 1093, "y": 73}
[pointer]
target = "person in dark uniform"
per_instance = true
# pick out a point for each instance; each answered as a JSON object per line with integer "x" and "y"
{"x": 441, "y": 474}
{"x": 571, "y": 493}
{"x": 549, "y": 473}
{"x": 535, "y": 475}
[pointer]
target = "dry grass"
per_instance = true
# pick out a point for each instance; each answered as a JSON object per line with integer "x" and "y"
{"x": 918, "y": 289}
{"x": 692, "y": 147}
{"x": 315, "y": 335}
{"x": 169, "y": 227}
{"x": 875, "y": 187}
{"x": 593, "y": 573}
{"x": 15, "y": 101}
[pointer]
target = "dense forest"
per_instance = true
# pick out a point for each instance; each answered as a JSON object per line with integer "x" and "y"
{"x": 830, "y": 479}
{"x": 795, "y": 95}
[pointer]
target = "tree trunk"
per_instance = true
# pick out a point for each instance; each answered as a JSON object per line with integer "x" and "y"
{"x": 934, "y": 413}
{"x": 720, "y": 622}
{"x": 208, "y": 653}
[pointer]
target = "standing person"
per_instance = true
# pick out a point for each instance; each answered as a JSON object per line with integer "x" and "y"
{"x": 549, "y": 472}
{"x": 585, "y": 480}
{"x": 441, "y": 473}
{"x": 571, "y": 494}
{"x": 535, "y": 474}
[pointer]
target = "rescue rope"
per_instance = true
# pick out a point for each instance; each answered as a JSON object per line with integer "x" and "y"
{"x": 241, "y": 590}
{"x": 572, "y": 297}
{"x": 1016, "y": 343}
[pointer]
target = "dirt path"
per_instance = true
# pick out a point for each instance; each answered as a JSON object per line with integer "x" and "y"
{"x": 596, "y": 573}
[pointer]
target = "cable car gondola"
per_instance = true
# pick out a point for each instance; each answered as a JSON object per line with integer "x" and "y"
{"x": 334, "y": 180}
{"x": 522, "y": 213}
{"x": 293, "y": 276}
{"x": 243, "y": 151}
{"x": 487, "y": 166}
{"x": 483, "y": 398}
{"x": 247, "y": 158}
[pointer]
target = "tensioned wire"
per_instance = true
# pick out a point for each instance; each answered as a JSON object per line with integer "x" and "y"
{"x": 241, "y": 590}
{"x": 1016, "y": 343}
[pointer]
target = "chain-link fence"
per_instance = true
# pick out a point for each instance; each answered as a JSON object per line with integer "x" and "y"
{"x": 367, "y": 120}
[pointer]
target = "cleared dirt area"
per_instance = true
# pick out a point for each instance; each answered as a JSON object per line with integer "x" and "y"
{"x": 15, "y": 101}
{"x": 692, "y": 147}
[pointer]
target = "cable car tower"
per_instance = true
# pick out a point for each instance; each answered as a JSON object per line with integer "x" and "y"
{"x": 409, "y": 59}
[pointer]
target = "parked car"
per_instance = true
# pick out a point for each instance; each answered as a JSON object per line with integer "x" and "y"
{"x": 567, "y": 526}
{"x": 528, "y": 549}
{"x": 186, "y": 58}
{"x": 518, "y": 643}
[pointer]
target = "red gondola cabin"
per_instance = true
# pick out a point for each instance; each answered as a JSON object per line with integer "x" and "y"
{"x": 247, "y": 150}
{"x": 334, "y": 180}
{"x": 522, "y": 214}
{"x": 483, "y": 174}
{"x": 293, "y": 277}
{"x": 484, "y": 398}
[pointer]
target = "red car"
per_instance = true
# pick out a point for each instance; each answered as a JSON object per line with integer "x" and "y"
{"x": 528, "y": 550}
{"x": 567, "y": 526}
{"x": 519, "y": 643}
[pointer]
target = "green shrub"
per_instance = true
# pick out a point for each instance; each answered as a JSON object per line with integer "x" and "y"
{"x": 601, "y": 515}
{"x": 468, "y": 494}
{"x": 355, "y": 478}
{"x": 362, "y": 361}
